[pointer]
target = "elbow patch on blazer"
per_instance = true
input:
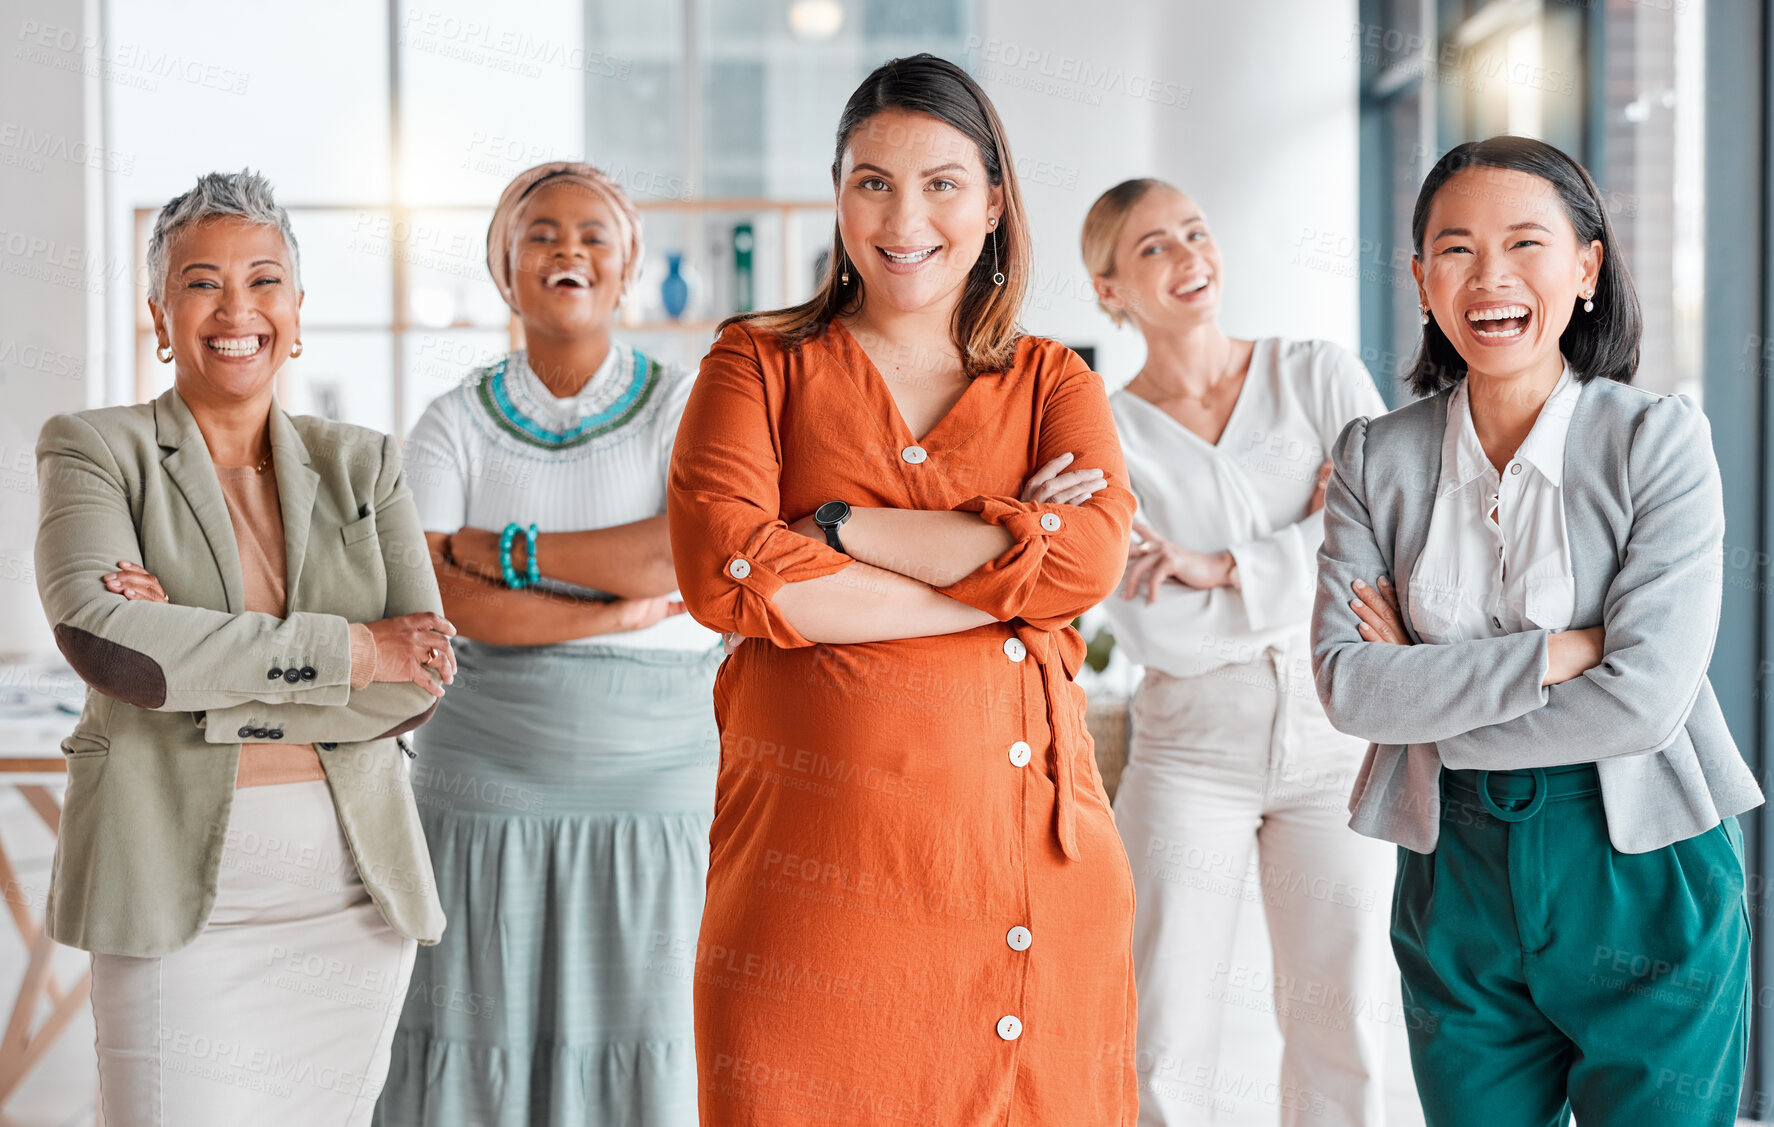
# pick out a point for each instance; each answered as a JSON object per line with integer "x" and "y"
{"x": 406, "y": 726}
{"x": 115, "y": 670}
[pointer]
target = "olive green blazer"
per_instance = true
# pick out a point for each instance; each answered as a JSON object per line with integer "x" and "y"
{"x": 174, "y": 689}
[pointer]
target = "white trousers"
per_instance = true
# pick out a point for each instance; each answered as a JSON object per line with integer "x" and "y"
{"x": 283, "y": 1009}
{"x": 1219, "y": 764}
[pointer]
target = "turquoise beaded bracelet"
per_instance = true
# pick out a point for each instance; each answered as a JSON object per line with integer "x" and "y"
{"x": 505, "y": 568}
{"x": 532, "y": 566}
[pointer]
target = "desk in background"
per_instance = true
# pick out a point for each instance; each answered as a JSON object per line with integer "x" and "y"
{"x": 39, "y": 703}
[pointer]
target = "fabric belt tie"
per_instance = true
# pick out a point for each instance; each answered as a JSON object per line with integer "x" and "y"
{"x": 1059, "y": 654}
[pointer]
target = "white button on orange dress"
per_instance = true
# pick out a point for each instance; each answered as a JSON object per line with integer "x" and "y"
{"x": 874, "y": 864}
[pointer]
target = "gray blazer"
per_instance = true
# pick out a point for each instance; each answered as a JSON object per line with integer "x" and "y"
{"x": 1645, "y": 517}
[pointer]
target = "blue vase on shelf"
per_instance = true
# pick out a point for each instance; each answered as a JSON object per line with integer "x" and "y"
{"x": 674, "y": 292}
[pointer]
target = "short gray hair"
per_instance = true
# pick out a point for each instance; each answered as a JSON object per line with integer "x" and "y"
{"x": 218, "y": 195}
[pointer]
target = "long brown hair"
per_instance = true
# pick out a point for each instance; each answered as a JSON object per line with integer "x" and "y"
{"x": 984, "y": 328}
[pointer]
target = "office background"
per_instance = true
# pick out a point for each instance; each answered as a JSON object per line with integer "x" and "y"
{"x": 1303, "y": 127}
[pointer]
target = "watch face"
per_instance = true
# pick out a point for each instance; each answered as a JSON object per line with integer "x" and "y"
{"x": 832, "y": 512}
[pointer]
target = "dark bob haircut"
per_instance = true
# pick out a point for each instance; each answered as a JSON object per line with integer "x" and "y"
{"x": 1602, "y": 344}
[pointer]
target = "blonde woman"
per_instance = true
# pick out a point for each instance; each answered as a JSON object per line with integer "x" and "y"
{"x": 1226, "y": 442}
{"x": 567, "y": 790}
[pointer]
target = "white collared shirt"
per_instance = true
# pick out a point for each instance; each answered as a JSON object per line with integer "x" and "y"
{"x": 1498, "y": 559}
{"x": 1247, "y": 494}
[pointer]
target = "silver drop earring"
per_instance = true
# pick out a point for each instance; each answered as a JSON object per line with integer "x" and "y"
{"x": 844, "y": 278}
{"x": 1423, "y": 315}
{"x": 997, "y": 274}
{"x": 1588, "y": 304}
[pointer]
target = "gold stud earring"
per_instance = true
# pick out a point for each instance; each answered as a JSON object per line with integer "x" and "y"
{"x": 164, "y": 353}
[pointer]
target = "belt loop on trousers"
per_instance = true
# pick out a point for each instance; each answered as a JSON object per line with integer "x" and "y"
{"x": 1526, "y": 812}
{"x": 1281, "y": 726}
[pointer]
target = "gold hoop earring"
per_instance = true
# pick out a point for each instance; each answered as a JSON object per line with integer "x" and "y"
{"x": 164, "y": 353}
{"x": 296, "y": 351}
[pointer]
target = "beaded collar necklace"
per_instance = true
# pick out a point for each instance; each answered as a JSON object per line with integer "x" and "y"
{"x": 494, "y": 396}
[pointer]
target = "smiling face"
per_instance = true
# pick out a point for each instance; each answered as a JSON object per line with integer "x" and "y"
{"x": 1502, "y": 270}
{"x": 566, "y": 261}
{"x": 1167, "y": 266}
{"x": 914, "y": 209}
{"x": 229, "y": 309}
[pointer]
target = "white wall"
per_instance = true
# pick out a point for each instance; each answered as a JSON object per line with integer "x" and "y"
{"x": 1270, "y": 148}
{"x": 53, "y": 273}
{"x": 1251, "y": 108}
{"x": 1071, "y": 83}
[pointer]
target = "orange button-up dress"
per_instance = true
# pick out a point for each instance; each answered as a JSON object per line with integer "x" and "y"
{"x": 919, "y": 910}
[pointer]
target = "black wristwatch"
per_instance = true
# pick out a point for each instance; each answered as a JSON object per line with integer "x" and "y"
{"x": 831, "y": 517}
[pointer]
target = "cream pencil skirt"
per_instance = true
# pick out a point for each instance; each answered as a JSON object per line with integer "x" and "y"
{"x": 282, "y": 1010}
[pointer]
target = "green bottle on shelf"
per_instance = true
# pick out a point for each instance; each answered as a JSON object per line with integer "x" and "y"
{"x": 742, "y": 248}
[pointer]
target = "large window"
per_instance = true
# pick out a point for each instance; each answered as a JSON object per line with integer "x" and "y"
{"x": 1651, "y": 168}
{"x": 390, "y": 133}
{"x": 1615, "y": 84}
{"x": 721, "y": 108}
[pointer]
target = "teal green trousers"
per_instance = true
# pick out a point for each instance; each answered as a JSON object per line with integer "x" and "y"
{"x": 1546, "y": 973}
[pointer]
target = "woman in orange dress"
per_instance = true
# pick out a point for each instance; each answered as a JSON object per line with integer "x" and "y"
{"x": 918, "y": 908}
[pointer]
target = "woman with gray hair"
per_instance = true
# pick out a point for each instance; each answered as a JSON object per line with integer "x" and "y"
{"x": 246, "y": 595}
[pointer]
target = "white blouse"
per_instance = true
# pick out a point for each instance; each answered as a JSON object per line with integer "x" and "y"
{"x": 1247, "y": 494}
{"x": 1497, "y": 560}
{"x": 491, "y": 452}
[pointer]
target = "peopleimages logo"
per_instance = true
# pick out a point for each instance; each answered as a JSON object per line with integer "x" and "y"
{"x": 1071, "y": 76}
{"x": 1452, "y": 64}
{"x": 30, "y": 145}
{"x": 69, "y": 49}
{"x": 503, "y": 48}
